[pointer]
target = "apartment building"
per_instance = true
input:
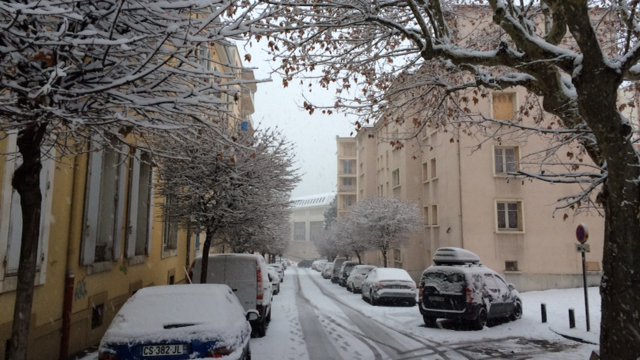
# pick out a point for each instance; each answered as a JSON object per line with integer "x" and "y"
{"x": 103, "y": 236}
{"x": 307, "y": 225}
{"x": 347, "y": 174}
{"x": 471, "y": 198}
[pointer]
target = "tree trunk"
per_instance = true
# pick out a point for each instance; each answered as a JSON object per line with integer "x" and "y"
{"x": 384, "y": 257}
{"x": 26, "y": 181}
{"x": 620, "y": 287}
{"x": 206, "y": 246}
{"x": 358, "y": 256}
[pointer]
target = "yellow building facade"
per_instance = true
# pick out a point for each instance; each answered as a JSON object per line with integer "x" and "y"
{"x": 103, "y": 236}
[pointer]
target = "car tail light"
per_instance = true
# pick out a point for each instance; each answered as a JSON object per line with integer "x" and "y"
{"x": 469, "y": 293}
{"x": 220, "y": 352}
{"x": 260, "y": 289}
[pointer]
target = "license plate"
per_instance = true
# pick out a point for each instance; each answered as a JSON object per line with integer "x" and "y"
{"x": 436, "y": 298}
{"x": 164, "y": 350}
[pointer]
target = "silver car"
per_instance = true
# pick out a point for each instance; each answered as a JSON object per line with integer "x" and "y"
{"x": 389, "y": 284}
{"x": 355, "y": 279}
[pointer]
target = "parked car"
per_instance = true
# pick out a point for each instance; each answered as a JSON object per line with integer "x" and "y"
{"x": 389, "y": 284}
{"x": 305, "y": 263}
{"x": 327, "y": 271}
{"x": 275, "y": 280}
{"x": 318, "y": 265}
{"x": 345, "y": 271}
{"x": 358, "y": 273}
{"x": 337, "y": 263}
{"x": 179, "y": 322}
{"x": 458, "y": 287}
{"x": 279, "y": 268}
{"x": 247, "y": 275}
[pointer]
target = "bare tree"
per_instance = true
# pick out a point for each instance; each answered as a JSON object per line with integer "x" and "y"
{"x": 235, "y": 191}
{"x": 573, "y": 56}
{"x": 108, "y": 71}
{"x": 385, "y": 223}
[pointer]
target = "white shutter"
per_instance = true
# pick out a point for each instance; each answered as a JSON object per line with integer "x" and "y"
{"x": 92, "y": 206}
{"x": 132, "y": 230}
{"x": 120, "y": 210}
{"x": 15, "y": 233}
{"x": 150, "y": 217}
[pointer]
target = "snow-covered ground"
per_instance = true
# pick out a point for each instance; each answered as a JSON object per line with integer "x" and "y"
{"x": 315, "y": 319}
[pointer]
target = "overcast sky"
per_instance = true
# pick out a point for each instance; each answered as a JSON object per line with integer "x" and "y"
{"x": 314, "y": 136}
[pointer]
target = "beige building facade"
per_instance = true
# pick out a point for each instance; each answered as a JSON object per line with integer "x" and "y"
{"x": 471, "y": 198}
{"x": 307, "y": 225}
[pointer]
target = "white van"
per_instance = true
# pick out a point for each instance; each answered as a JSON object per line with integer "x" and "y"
{"x": 247, "y": 275}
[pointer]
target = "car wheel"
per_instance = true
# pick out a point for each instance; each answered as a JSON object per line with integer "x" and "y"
{"x": 269, "y": 316}
{"x": 517, "y": 312}
{"x": 261, "y": 328}
{"x": 248, "y": 356}
{"x": 373, "y": 301}
{"x": 480, "y": 321}
{"x": 429, "y": 321}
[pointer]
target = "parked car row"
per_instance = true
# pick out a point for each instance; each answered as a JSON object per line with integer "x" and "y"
{"x": 457, "y": 287}
{"x": 212, "y": 320}
{"x": 376, "y": 284}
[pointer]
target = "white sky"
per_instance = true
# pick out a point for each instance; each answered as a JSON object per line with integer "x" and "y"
{"x": 314, "y": 136}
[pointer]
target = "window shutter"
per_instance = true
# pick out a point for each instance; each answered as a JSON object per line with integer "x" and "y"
{"x": 132, "y": 229}
{"x": 150, "y": 217}
{"x": 15, "y": 233}
{"x": 92, "y": 202}
{"x": 120, "y": 210}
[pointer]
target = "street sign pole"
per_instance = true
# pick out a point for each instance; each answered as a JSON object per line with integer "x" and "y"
{"x": 582, "y": 234}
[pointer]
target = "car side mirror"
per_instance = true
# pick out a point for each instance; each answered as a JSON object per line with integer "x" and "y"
{"x": 252, "y": 315}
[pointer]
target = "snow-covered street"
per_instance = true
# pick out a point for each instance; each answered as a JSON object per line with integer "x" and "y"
{"x": 315, "y": 319}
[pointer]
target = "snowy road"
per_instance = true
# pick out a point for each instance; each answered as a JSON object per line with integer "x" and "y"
{"x": 316, "y": 320}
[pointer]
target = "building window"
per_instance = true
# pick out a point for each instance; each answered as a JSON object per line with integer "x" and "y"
{"x": 397, "y": 258}
{"x": 299, "y": 231}
{"x": 506, "y": 159}
{"x": 347, "y": 167}
{"x": 140, "y": 205}
{"x": 434, "y": 215}
{"x": 97, "y": 316}
{"x": 425, "y": 172}
{"x": 504, "y": 105}
{"x": 11, "y": 212}
{"x": 104, "y": 206}
{"x": 509, "y": 215}
{"x": 316, "y": 229}
{"x": 171, "y": 226}
{"x": 395, "y": 178}
{"x": 510, "y": 265}
{"x": 434, "y": 173}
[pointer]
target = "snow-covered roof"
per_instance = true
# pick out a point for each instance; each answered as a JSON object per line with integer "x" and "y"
{"x": 185, "y": 312}
{"x": 318, "y": 200}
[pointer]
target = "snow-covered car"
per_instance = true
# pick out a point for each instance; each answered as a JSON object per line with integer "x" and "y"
{"x": 274, "y": 277}
{"x": 389, "y": 284}
{"x": 318, "y": 265}
{"x": 327, "y": 270}
{"x": 345, "y": 271}
{"x": 247, "y": 275}
{"x": 355, "y": 279}
{"x": 458, "y": 287}
{"x": 279, "y": 268}
{"x": 179, "y": 322}
{"x": 337, "y": 264}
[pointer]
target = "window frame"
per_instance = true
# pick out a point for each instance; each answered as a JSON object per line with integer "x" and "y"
{"x": 134, "y": 212}
{"x": 170, "y": 231}
{"x": 520, "y": 216}
{"x": 395, "y": 178}
{"x": 504, "y": 163}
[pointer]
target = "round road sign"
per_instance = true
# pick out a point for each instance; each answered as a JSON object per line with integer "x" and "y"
{"x": 582, "y": 233}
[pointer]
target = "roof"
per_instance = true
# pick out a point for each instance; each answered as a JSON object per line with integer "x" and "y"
{"x": 318, "y": 200}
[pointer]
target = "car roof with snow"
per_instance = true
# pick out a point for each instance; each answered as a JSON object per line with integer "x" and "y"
{"x": 392, "y": 274}
{"x": 186, "y": 312}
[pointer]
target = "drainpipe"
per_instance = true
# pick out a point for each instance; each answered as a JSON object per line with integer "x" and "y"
{"x": 66, "y": 315}
{"x": 69, "y": 280}
{"x": 460, "y": 190}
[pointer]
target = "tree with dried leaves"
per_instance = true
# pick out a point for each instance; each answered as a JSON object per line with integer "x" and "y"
{"x": 575, "y": 57}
